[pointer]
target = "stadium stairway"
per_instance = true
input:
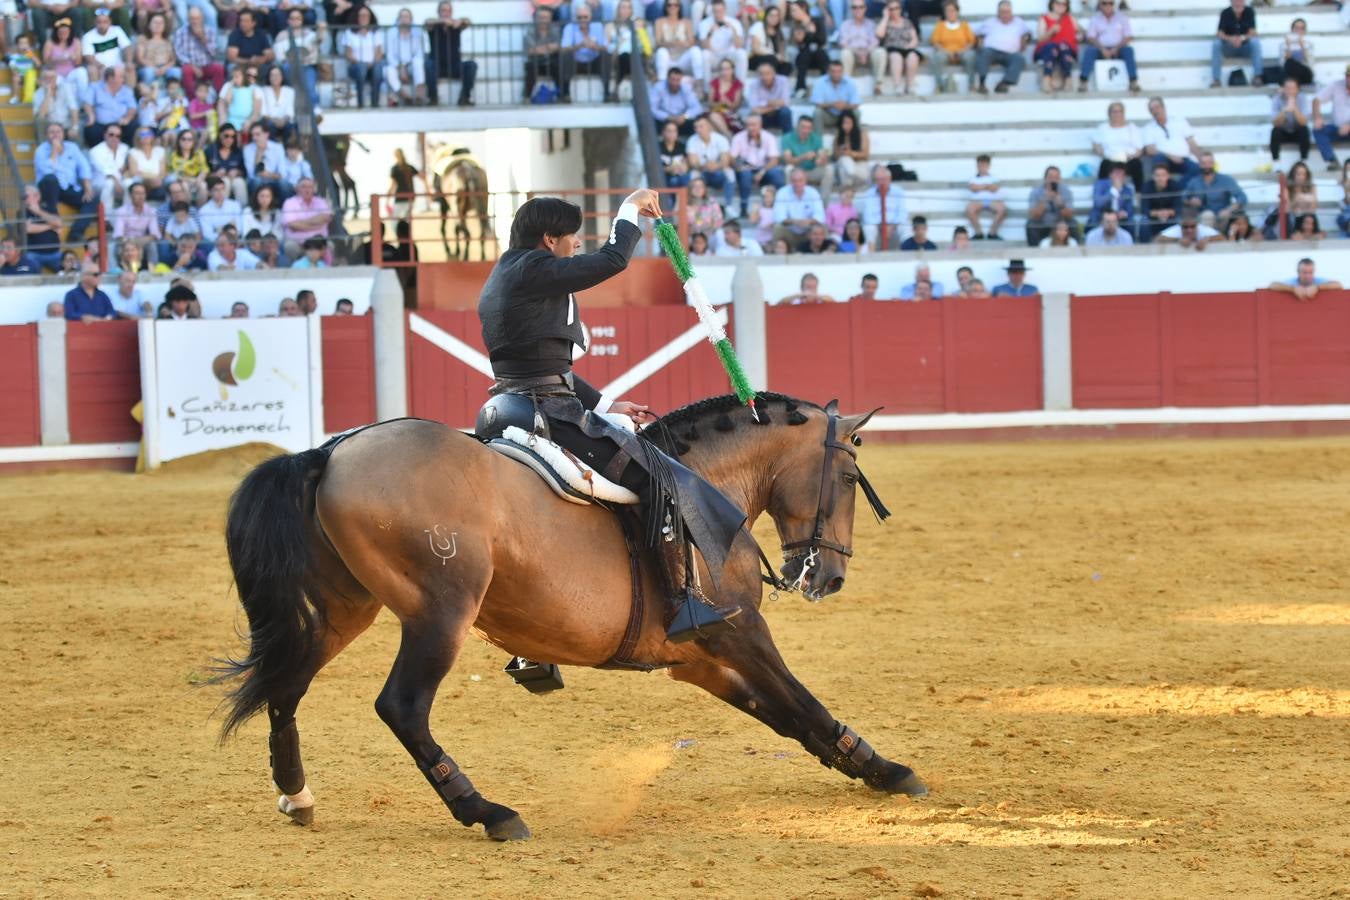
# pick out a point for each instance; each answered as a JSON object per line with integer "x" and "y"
{"x": 17, "y": 121}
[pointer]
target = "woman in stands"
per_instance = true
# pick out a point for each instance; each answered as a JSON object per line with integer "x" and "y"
{"x": 810, "y": 38}
{"x": 1306, "y": 229}
{"x": 147, "y": 164}
{"x": 187, "y": 163}
{"x": 619, "y": 39}
{"x": 703, "y": 213}
{"x": 155, "y": 59}
{"x": 769, "y": 42}
{"x": 761, "y": 217}
{"x": 900, "y": 39}
{"x": 278, "y": 105}
{"x": 1119, "y": 141}
{"x": 1059, "y": 236}
{"x": 676, "y": 46}
{"x": 853, "y": 240}
{"x": 953, "y": 45}
{"x": 1300, "y": 191}
{"x": 1056, "y": 46}
{"x": 852, "y": 149}
{"x": 62, "y": 51}
{"x": 1240, "y": 229}
{"x": 365, "y": 56}
{"x": 1298, "y": 53}
{"x": 726, "y": 95}
{"x": 341, "y": 12}
{"x": 261, "y": 214}
{"x": 226, "y": 160}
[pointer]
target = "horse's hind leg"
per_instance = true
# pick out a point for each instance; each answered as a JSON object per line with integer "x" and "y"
{"x": 345, "y": 621}
{"x": 744, "y": 668}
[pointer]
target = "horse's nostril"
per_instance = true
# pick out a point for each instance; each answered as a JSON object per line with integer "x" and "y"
{"x": 835, "y": 586}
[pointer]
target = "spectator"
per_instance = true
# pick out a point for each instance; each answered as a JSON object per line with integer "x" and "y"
{"x": 344, "y": 306}
{"x": 976, "y": 290}
{"x": 1189, "y": 234}
{"x": 1289, "y": 110}
{"x": 280, "y": 18}
{"x": 733, "y": 243}
{"x": 64, "y": 176}
{"x": 226, "y": 162}
{"x": 14, "y": 261}
{"x": 1003, "y": 40}
{"x": 239, "y": 104}
{"x": 839, "y": 211}
{"x": 23, "y": 65}
{"x": 229, "y": 256}
{"x": 180, "y": 304}
{"x": 674, "y": 101}
{"x": 238, "y": 310}
{"x": 128, "y": 257}
{"x": 1016, "y": 285}
{"x": 867, "y": 289}
{"x": 584, "y": 50}
{"x": 261, "y": 215}
{"x": 1108, "y": 233}
{"x": 308, "y": 303}
{"x": 365, "y": 57}
{"x": 1306, "y": 229}
{"x": 899, "y": 40}
{"x": 54, "y": 103}
{"x": 1060, "y": 236}
{"x": 85, "y": 302}
{"x": 136, "y": 222}
{"x": 55, "y": 309}
{"x": 405, "y": 61}
{"x": 1115, "y": 193}
{"x": 918, "y": 236}
{"x": 342, "y": 12}
{"x": 1337, "y": 131}
{"x": 676, "y": 44}
{"x": 263, "y": 159}
{"x": 853, "y": 239}
{"x": 70, "y": 265}
{"x": 1240, "y": 229}
{"x": 709, "y": 155}
{"x": 147, "y": 164}
{"x": 305, "y": 41}
{"x": 312, "y": 252}
{"x": 809, "y": 37}
{"x": 722, "y": 37}
{"x": 1049, "y": 203}
{"x": 155, "y": 59}
{"x": 107, "y": 102}
{"x": 762, "y": 216}
{"x": 194, "y": 45}
{"x": 960, "y": 239}
{"x": 804, "y": 150}
{"x": 177, "y": 193}
{"x": 954, "y": 44}
{"x": 288, "y": 308}
{"x": 1119, "y": 141}
{"x": 797, "y": 208}
{"x": 1213, "y": 195}
{"x": 768, "y": 97}
{"x": 187, "y": 165}
{"x": 108, "y": 161}
{"x": 755, "y": 158}
{"x": 964, "y": 276}
{"x": 726, "y": 97}
{"x": 181, "y": 222}
{"x": 219, "y": 212}
{"x": 985, "y": 194}
{"x": 1299, "y": 192}
{"x": 1342, "y": 220}
{"x": 249, "y": 45}
{"x": 1160, "y": 203}
{"x": 1170, "y": 140}
{"x": 619, "y": 37}
{"x": 106, "y": 42}
{"x": 698, "y": 244}
{"x": 809, "y": 293}
{"x": 542, "y": 45}
{"x": 304, "y": 216}
{"x": 923, "y": 287}
{"x": 62, "y": 50}
{"x": 128, "y": 301}
{"x": 42, "y": 230}
{"x": 883, "y": 210}
{"x": 277, "y": 105}
{"x": 833, "y": 95}
{"x": 674, "y": 162}
{"x": 817, "y": 241}
{"x": 851, "y": 150}
{"x": 1056, "y": 48}
{"x": 1109, "y": 36}
{"x": 293, "y": 165}
{"x": 1298, "y": 53}
{"x": 188, "y": 256}
{"x": 1304, "y": 287}
{"x": 859, "y": 44}
{"x": 201, "y": 112}
{"x": 769, "y": 43}
{"x": 702, "y": 212}
{"x": 1236, "y": 38}
{"x": 267, "y": 247}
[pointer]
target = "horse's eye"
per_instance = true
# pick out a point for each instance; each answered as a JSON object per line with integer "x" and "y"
{"x": 855, "y": 440}
{"x": 850, "y": 479}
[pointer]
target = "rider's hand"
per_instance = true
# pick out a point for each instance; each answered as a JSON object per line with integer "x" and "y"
{"x": 647, "y": 201}
{"x": 635, "y": 411}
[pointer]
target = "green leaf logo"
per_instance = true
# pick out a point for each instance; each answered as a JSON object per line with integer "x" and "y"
{"x": 232, "y": 368}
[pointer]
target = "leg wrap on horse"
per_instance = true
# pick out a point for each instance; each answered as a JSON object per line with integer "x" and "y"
{"x": 449, "y": 781}
{"x": 284, "y": 747}
{"x": 843, "y": 750}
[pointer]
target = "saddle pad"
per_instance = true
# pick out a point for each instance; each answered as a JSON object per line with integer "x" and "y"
{"x": 569, "y": 479}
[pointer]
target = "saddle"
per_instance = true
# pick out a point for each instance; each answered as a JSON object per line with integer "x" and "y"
{"x": 567, "y": 476}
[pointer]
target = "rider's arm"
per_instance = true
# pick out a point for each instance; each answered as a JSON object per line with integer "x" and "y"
{"x": 554, "y": 275}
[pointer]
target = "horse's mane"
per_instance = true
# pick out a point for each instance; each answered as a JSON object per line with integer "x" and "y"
{"x": 675, "y": 429}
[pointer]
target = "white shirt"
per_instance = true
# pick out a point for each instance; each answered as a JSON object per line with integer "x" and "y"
{"x": 106, "y": 48}
{"x": 707, "y": 153}
{"x": 276, "y": 106}
{"x": 984, "y": 196}
{"x": 401, "y": 49}
{"x": 1046, "y": 242}
{"x": 105, "y": 161}
{"x": 1005, "y": 36}
{"x": 1118, "y": 144}
{"x": 1202, "y": 231}
{"x": 1173, "y": 141}
{"x": 747, "y": 248}
{"x": 723, "y": 37}
{"x": 213, "y": 217}
{"x": 264, "y": 227}
{"x": 243, "y": 261}
{"x": 129, "y": 306}
{"x": 362, "y": 45}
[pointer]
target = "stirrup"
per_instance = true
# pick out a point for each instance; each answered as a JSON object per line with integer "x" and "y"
{"x": 695, "y": 620}
{"x": 537, "y": 678}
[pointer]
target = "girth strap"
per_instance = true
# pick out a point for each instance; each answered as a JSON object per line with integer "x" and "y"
{"x": 623, "y": 657}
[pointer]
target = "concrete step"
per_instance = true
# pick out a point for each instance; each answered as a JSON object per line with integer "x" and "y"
{"x": 939, "y": 201}
{"x": 1041, "y": 137}
{"x": 963, "y": 111}
{"x": 1239, "y": 162}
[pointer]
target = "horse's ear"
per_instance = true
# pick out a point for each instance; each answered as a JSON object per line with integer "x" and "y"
{"x": 854, "y": 424}
{"x": 832, "y": 408}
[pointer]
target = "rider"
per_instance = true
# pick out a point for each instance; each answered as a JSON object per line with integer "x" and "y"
{"x": 532, "y": 329}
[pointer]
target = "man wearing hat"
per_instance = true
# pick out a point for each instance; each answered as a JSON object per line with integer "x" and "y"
{"x": 180, "y": 304}
{"x": 1016, "y": 285}
{"x": 1331, "y": 118}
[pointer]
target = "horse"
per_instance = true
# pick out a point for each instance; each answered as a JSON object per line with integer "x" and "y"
{"x": 455, "y": 538}
{"x": 470, "y": 193}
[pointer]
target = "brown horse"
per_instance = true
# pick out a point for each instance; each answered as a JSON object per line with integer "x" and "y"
{"x": 452, "y": 538}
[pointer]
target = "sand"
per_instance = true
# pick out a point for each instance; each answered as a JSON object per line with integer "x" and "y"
{"x": 1123, "y": 668}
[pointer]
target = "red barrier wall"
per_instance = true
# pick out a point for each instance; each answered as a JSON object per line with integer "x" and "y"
{"x": 103, "y": 378}
{"x": 1210, "y": 350}
{"x": 348, "y": 371}
{"x": 20, "y": 422}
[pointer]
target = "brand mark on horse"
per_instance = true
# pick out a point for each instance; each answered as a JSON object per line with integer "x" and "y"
{"x": 436, "y": 537}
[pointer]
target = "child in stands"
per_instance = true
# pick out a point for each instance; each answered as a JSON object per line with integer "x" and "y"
{"x": 23, "y": 69}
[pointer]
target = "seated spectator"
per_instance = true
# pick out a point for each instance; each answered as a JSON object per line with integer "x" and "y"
{"x": 106, "y": 42}
{"x": 14, "y": 261}
{"x": 263, "y": 159}
{"x": 1119, "y": 141}
{"x": 1336, "y": 95}
{"x": 56, "y": 310}
{"x": 542, "y": 46}
{"x": 818, "y": 241}
{"x": 220, "y": 211}
{"x": 63, "y": 50}
{"x": 1306, "y": 229}
{"x": 840, "y": 211}
{"x": 181, "y": 222}
{"x": 1108, "y": 36}
{"x": 620, "y": 33}
{"x": 312, "y": 253}
{"x": 1298, "y": 53}
{"x": 883, "y": 210}
{"x": 733, "y": 243}
{"x": 249, "y": 45}
{"x": 1289, "y": 112}
{"x": 108, "y": 102}
{"x": 238, "y": 309}
{"x": 1003, "y": 40}
{"x": 1169, "y": 140}
{"x": 136, "y": 221}
{"x": 155, "y": 59}
{"x": 405, "y": 61}
{"x": 899, "y": 48}
{"x": 365, "y": 57}
{"x": 923, "y": 287}
{"x": 954, "y": 44}
{"x": 676, "y": 45}
{"x": 976, "y": 290}
{"x": 239, "y": 103}
{"x": 851, "y": 151}
{"x": 187, "y": 255}
{"x": 768, "y": 97}
{"x": 127, "y": 257}
{"x": 673, "y": 101}
{"x": 860, "y": 45}
{"x": 1189, "y": 234}
{"x": 147, "y": 164}
{"x": 307, "y": 301}
{"x": 702, "y": 212}
{"x": 108, "y": 160}
{"x": 1016, "y": 285}
{"x": 262, "y": 214}
{"x": 344, "y": 306}
{"x": 128, "y": 300}
{"x": 70, "y": 264}
{"x": 303, "y": 216}
{"x": 42, "y": 230}
{"x": 809, "y": 293}
{"x": 85, "y": 302}
{"x": 709, "y": 155}
{"x": 698, "y": 244}
{"x": 769, "y": 43}
{"x": 960, "y": 239}
{"x": 288, "y": 308}
{"x": 1056, "y": 48}
{"x": 299, "y": 35}
{"x": 833, "y": 95}
{"x": 674, "y": 160}
{"x": 726, "y": 95}
{"x": 276, "y": 108}
{"x": 584, "y": 50}
{"x": 797, "y": 208}
{"x": 867, "y": 289}
{"x": 1240, "y": 229}
{"x": 1049, "y": 203}
{"x": 55, "y": 103}
{"x": 268, "y": 250}
{"x": 1213, "y": 195}
{"x": 1299, "y": 193}
{"x": 1060, "y": 236}
{"x": 294, "y": 166}
{"x": 229, "y": 256}
{"x": 853, "y": 239}
{"x": 194, "y": 45}
{"x": 1115, "y": 193}
{"x": 964, "y": 276}
{"x": 810, "y": 37}
{"x": 722, "y": 38}
{"x": 1236, "y": 39}
{"x": 762, "y": 217}
{"x": 804, "y": 150}
{"x": 985, "y": 194}
{"x": 1108, "y": 233}
{"x": 918, "y": 237}
{"x": 180, "y": 304}
{"x": 1159, "y": 204}
{"x": 755, "y": 159}
{"x": 1304, "y": 287}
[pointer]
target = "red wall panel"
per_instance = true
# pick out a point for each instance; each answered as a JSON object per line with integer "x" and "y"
{"x": 993, "y": 354}
{"x": 1308, "y": 348}
{"x": 440, "y": 386}
{"x": 348, "y": 371}
{"x": 810, "y": 351}
{"x": 1213, "y": 353}
{"x": 898, "y": 355}
{"x": 103, "y": 378}
{"x": 1116, "y": 351}
{"x": 20, "y": 422}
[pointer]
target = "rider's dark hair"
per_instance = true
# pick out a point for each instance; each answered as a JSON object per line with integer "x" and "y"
{"x": 543, "y": 216}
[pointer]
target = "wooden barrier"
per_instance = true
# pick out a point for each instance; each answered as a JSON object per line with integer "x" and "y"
{"x": 20, "y": 414}
{"x": 348, "y": 372}
{"x": 103, "y": 378}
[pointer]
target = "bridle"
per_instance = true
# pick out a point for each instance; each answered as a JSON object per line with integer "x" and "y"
{"x": 811, "y": 547}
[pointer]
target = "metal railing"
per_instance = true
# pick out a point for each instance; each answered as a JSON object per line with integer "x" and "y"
{"x": 11, "y": 187}
{"x": 311, "y": 145}
{"x": 642, "y": 113}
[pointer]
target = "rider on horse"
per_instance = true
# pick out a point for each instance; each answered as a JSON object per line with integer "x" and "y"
{"x": 532, "y": 329}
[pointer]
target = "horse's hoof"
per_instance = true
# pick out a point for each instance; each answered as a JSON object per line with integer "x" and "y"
{"x": 910, "y": 785}
{"x": 512, "y": 829}
{"x": 300, "y": 815}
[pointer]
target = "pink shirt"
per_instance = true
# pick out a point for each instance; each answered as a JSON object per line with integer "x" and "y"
{"x": 837, "y": 216}
{"x": 295, "y": 208}
{"x": 756, "y": 154}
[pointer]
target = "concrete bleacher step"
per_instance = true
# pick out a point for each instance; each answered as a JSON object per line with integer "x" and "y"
{"x": 1042, "y": 137}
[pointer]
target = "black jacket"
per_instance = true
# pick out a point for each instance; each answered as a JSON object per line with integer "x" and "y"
{"x": 530, "y": 318}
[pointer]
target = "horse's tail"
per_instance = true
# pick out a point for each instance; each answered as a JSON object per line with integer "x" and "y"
{"x": 267, "y": 535}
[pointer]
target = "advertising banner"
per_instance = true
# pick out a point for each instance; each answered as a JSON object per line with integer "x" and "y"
{"x": 228, "y": 382}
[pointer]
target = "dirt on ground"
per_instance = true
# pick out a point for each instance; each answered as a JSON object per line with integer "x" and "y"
{"x": 1123, "y": 668}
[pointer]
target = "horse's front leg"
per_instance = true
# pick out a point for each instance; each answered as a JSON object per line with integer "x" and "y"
{"x": 744, "y": 668}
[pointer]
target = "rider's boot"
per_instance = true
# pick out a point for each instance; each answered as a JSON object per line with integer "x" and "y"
{"x": 695, "y": 616}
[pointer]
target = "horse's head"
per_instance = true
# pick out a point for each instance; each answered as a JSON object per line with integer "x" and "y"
{"x": 813, "y": 500}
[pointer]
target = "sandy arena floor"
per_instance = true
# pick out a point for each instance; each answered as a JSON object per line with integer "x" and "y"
{"x": 1124, "y": 669}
